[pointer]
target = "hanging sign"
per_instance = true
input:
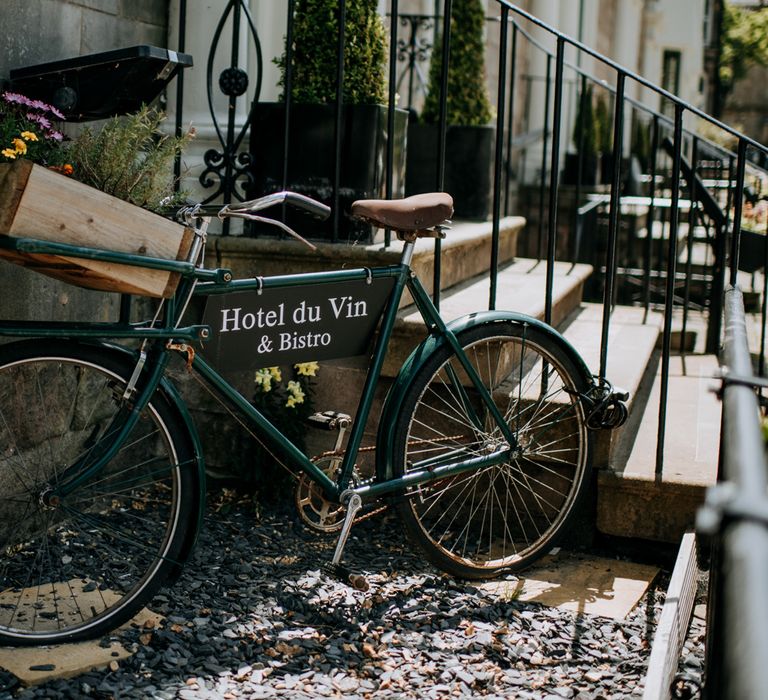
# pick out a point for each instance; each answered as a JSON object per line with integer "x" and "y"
{"x": 251, "y": 330}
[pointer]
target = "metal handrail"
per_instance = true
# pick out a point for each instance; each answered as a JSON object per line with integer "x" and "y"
{"x": 735, "y": 518}
{"x": 630, "y": 74}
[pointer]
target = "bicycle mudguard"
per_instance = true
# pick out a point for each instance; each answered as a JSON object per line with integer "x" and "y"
{"x": 172, "y": 395}
{"x": 393, "y": 403}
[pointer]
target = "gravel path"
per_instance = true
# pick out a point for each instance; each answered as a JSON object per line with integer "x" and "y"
{"x": 253, "y": 617}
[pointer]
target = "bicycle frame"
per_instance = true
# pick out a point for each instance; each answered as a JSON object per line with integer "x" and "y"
{"x": 404, "y": 278}
{"x": 201, "y": 282}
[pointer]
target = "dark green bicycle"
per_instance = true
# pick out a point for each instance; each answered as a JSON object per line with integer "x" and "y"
{"x": 484, "y": 444}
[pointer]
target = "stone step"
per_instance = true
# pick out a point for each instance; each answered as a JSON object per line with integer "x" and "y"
{"x": 632, "y": 501}
{"x": 520, "y": 287}
{"x": 465, "y": 253}
{"x": 631, "y": 360}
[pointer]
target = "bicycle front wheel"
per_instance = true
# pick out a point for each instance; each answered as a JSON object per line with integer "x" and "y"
{"x": 76, "y": 566}
{"x": 479, "y": 523}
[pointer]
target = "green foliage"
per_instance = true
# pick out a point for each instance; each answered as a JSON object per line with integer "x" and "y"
{"x": 467, "y": 101}
{"x": 130, "y": 158}
{"x": 28, "y": 131}
{"x": 287, "y": 403}
{"x": 603, "y": 126}
{"x": 584, "y": 127}
{"x": 744, "y": 43}
{"x": 641, "y": 142}
{"x": 315, "y": 49}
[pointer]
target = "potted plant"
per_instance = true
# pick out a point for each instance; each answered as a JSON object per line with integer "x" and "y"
{"x": 312, "y": 124}
{"x": 604, "y": 130}
{"x": 581, "y": 165}
{"x": 470, "y": 136}
{"x": 41, "y": 197}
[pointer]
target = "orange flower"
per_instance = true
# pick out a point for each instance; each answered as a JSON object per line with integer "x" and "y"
{"x": 65, "y": 169}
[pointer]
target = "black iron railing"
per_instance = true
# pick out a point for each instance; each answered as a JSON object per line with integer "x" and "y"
{"x": 662, "y": 274}
{"x": 688, "y": 187}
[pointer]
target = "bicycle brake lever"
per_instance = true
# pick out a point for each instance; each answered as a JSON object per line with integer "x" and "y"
{"x": 271, "y": 222}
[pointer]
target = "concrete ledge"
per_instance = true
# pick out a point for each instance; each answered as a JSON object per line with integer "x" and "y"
{"x": 662, "y": 511}
{"x": 632, "y": 501}
{"x": 466, "y": 252}
{"x": 632, "y": 361}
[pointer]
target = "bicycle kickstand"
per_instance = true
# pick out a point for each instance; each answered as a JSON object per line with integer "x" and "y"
{"x": 336, "y": 568}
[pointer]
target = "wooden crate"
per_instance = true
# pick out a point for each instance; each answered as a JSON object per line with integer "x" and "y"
{"x": 38, "y": 203}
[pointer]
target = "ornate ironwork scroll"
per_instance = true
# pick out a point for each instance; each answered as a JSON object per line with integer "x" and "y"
{"x": 228, "y": 168}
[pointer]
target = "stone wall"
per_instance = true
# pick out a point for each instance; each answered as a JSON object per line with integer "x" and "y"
{"x": 48, "y": 30}
{"x": 37, "y": 31}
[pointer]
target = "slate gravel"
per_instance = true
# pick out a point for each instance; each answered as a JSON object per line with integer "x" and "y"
{"x": 252, "y": 616}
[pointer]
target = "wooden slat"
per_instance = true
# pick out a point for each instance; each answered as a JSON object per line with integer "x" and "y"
{"x": 673, "y": 623}
{"x": 38, "y": 203}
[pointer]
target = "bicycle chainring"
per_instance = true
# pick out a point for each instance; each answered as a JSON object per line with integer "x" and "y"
{"x": 315, "y": 509}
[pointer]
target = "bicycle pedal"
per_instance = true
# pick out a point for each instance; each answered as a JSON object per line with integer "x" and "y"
{"x": 347, "y": 576}
{"x": 330, "y": 420}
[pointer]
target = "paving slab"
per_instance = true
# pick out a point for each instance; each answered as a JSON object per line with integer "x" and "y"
{"x": 33, "y": 665}
{"x": 580, "y": 583}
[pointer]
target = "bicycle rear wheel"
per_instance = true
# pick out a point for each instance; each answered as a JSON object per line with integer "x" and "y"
{"x": 479, "y": 523}
{"x": 79, "y": 566}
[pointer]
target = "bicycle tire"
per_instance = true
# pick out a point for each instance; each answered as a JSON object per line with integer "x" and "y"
{"x": 496, "y": 519}
{"x": 81, "y": 567}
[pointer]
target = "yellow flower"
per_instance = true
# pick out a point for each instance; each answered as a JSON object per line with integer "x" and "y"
{"x": 29, "y": 135}
{"x": 296, "y": 394}
{"x": 275, "y": 373}
{"x": 263, "y": 380}
{"x": 9, "y": 153}
{"x": 307, "y": 369}
{"x": 20, "y": 146}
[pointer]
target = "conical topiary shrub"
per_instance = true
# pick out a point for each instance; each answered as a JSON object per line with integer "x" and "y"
{"x": 315, "y": 50}
{"x": 310, "y": 167}
{"x": 581, "y": 166}
{"x": 467, "y": 102}
{"x": 470, "y": 137}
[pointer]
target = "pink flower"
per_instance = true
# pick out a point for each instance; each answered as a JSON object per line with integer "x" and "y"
{"x": 14, "y": 97}
{"x": 55, "y": 112}
{"x": 55, "y": 135}
{"x": 39, "y": 119}
{"x": 45, "y": 107}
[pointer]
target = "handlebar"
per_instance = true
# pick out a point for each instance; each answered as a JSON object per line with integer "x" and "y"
{"x": 248, "y": 210}
{"x": 300, "y": 201}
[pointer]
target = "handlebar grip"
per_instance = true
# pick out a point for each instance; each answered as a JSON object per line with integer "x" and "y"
{"x": 248, "y": 209}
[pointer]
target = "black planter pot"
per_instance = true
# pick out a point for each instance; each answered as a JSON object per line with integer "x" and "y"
{"x": 468, "y": 166}
{"x": 311, "y": 160}
{"x": 752, "y": 251}
{"x": 606, "y": 168}
{"x": 571, "y": 169}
